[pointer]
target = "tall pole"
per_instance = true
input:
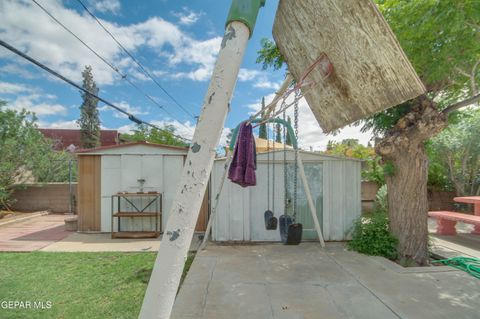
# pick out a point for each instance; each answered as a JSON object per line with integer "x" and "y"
{"x": 165, "y": 278}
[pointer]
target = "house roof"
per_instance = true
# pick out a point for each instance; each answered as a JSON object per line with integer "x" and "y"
{"x": 124, "y": 145}
{"x": 65, "y": 137}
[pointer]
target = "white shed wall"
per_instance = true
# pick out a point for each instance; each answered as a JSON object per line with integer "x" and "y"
{"x": 240, "y": 211}
{"x": 120, "y": 173}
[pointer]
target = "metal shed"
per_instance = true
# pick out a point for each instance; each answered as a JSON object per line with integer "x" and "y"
{"x": 335, "y": 184}
{"x": 128, "y": 168}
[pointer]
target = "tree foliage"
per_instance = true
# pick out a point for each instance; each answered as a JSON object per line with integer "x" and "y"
{"x": 26, "y": 155}
{"x": 89, "y": 120}
{"x": 269, "y": 55}
{"x": 372, "y": 170}
{"x": 457, "y": 150}
{"x": 278, "y": 134}
{"x": 145, "y": 133}
{"x": 262, "y": 131}
{"x": 288, "y": 138}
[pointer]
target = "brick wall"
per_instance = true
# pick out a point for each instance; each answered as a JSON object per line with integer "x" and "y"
{"x": 35, "y": 197}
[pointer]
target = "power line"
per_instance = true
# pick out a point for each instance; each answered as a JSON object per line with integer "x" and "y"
{"x": 130, "y": 116}
{"x": 114, "y": 68}
{"x": 144, "y": 70}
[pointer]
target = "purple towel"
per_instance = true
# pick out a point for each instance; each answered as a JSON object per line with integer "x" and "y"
{"x": 242, "y": 169}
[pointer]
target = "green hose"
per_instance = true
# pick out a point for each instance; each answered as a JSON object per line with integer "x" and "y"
{"x": 467, "y": 264}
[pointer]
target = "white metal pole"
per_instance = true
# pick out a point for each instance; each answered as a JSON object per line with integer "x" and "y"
{"x": 211, "y": 218}
{"x": 313, "y": 211}
{"x": 162, "y": 287}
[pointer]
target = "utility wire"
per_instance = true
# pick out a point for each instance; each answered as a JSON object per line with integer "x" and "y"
{"x": 130, "y": 116}
{"x": 114, "y": 68}
{"x": 145, "y": 71}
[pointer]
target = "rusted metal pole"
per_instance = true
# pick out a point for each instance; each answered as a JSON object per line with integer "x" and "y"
{"x": 163, "y": 285}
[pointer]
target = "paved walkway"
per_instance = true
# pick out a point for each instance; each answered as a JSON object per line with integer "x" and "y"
{"x": 104, "y": 242}
{"x": 277, "y": 281}
{"x": 32, "y": 234}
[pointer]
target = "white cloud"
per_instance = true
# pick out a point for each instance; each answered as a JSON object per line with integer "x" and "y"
{"x": 134, "y": 110}
{"x": 40, "y": 37}
{"x": 311, "y": 135}
{"x": 59, "y": 124}
{"x": 201, "y": 54}
{"x": 104, "y": 6}
{"x": 126, "y": 128}
{"x": 17, "y": 70}
{"x": 31, "y": 103}
{"x": 260, "y": 77}
{"x": 248, "y": 75}
{"x": 14, "y": 88}
{"x": 187, "y": 17}
{"x": 266, "y": 84}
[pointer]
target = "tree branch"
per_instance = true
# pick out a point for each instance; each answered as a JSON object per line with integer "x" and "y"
{"x": 461, "y": 104}
{"x": 472, "y": 77}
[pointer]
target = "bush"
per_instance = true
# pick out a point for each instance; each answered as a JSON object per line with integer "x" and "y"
{"x": 372, "y": 237}
{"x": 381, "y": 200}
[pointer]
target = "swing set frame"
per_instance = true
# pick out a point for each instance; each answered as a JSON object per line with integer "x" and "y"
{"x": 301, "y": 170}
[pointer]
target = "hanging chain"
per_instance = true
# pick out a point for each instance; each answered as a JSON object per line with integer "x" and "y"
{"x": 295, "y": 178}
{"x": 273, "y": 169}
{"x": 268, "y": 168}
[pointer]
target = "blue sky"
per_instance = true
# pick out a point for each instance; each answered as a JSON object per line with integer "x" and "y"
{"x": 177, "y": 41}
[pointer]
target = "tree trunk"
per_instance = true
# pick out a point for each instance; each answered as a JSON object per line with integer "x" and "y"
{"x": 408, "y": 203}
{"x": 403, "y": 149}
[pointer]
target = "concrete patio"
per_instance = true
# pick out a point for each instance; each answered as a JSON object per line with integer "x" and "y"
{"x": 47, "y": 233}
{"x": 277, "y": 281}
{"x": 33, "y": 233}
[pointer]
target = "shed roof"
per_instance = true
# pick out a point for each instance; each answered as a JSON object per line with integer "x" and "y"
{"x": 99, "y": 150}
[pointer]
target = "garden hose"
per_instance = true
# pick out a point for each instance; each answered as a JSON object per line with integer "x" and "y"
{"x": 467, "y": 264}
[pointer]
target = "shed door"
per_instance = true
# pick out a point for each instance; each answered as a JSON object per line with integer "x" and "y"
{"x": 135, "y": 168}
{"x": 314, "y": 173}
{"x": 138, "y": 167}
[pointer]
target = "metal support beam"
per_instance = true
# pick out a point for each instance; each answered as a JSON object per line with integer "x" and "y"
{"x": 163, "y": 285}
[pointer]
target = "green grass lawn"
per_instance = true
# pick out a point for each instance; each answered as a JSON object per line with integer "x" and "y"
{"x": 78, "y": 285}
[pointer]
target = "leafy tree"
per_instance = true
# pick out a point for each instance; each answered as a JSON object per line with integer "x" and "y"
{"x": 262, "y": 133}
{"x": 25, "y": 153}
{"x": 269, "y": 55}
{"x": 458, "y": 151}
{"x": 278, "y": 135}
{"x": 371, "y": 170}
{"x": 145, "y": 133}
{"x": 442, "y": 40}
{"x": 288, "y": 139}
{"x": 89, "y": 121}
{"x": 54, "y": 166}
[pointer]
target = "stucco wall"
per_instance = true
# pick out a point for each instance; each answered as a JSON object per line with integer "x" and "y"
{"x": 36, "y": 197}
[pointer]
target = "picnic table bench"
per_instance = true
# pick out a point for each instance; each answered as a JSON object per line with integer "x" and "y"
{"x": 446, "y": 221}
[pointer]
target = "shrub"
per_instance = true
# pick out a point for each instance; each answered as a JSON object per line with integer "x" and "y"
{"x": 372, "y": 237}
{"x": 381, "y": 200}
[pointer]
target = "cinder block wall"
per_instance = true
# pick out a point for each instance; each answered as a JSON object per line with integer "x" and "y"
{"x": 36, "y": 197}
{"x": 369, "y": 191}
{"x": 437, "y": 200}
